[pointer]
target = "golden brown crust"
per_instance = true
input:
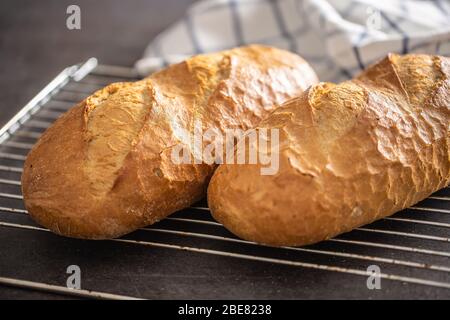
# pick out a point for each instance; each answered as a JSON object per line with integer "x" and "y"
{"x": 104, "y": 168}
{"x": 350, "y": 154}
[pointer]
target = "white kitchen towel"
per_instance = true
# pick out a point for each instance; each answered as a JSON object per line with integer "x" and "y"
{"x": 337, "y": 37}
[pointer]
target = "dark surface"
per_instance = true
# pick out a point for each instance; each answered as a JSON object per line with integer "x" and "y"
{"x": 35, "y": 44}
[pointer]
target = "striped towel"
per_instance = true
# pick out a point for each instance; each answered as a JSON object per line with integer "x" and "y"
{"x": 337, "y": 37}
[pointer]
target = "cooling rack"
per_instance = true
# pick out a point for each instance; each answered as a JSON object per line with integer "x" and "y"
{"x": 189, "y": 255}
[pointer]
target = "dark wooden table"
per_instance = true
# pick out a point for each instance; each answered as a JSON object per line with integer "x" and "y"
{"x": 35, "y": 43}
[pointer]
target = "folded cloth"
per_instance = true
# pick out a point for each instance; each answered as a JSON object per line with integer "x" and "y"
{"x": 337, "y": 37}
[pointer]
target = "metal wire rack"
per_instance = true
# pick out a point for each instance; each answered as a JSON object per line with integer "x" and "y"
{"x": 412, "y": 248}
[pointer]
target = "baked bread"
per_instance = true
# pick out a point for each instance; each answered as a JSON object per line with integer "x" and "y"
{"x": 105, "y": 169}
{"x": 349, "y": 154}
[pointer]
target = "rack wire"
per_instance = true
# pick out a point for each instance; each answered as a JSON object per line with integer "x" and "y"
{"x": 411, "y": 248}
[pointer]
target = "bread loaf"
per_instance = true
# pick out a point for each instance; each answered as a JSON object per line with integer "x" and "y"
{"x": 105, "y": 169}
{"x": 349, "y": 154}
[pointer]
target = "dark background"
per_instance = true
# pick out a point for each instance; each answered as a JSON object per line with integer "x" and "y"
{"x": 35, "y": 44}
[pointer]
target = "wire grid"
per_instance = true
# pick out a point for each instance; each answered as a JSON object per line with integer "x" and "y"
{"x": 412, "y": 247}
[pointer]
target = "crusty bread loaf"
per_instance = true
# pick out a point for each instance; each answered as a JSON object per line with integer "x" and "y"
{"x": 104, "y": 168}
{"x": 350, "y": 154}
